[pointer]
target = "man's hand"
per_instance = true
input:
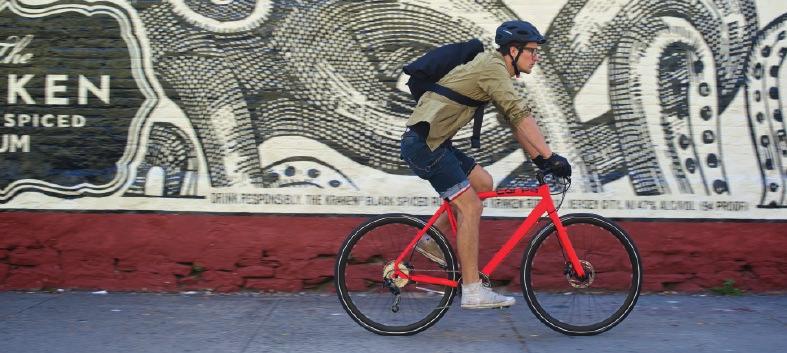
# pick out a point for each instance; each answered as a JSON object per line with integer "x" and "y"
{"x": 555, "y": 164}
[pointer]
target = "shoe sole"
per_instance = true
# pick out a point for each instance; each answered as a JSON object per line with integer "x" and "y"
{"x": 488, "y": 306}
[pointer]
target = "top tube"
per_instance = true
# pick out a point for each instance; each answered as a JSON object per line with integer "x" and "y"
{"x": 541, "y": 191}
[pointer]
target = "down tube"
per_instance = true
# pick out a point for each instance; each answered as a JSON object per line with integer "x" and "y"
{"x": 501, "y": 254}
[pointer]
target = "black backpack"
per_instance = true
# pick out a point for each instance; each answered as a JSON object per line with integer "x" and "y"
{"x": 431, "y": 67}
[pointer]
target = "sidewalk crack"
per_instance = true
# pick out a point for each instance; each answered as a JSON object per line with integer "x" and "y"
{"x": 31, "y": 306}
{"x": 262, "y": 321}
{"x": 519, "y": 336}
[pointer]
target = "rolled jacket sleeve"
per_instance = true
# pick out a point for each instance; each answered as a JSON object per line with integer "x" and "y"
{"x": 497, "y": 83}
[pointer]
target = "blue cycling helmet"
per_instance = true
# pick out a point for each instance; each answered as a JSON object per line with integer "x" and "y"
{"x": 517, "y": 31}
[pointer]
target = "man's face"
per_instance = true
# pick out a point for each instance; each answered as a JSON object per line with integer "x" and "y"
{"x": 528, "y": 58}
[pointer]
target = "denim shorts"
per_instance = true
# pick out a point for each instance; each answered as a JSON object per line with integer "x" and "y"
{"x": 446, "y": 168}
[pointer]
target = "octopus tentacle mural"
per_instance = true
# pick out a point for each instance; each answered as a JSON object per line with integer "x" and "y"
{"x": 349, "y": 93}
{"x": 625, "y": 33}
{"x": 765, "y": 108}
{"x": 643, "y": 96}
{"x": 171, "y": 150}
{"x": 336, "y": 102}
{"x": 294, "y": 75}
{"x": 203, "y": 73}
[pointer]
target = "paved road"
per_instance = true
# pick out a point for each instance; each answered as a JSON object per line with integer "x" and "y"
{"x": 83, "y": 322}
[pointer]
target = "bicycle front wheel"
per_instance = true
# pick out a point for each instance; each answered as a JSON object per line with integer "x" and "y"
{"x": 377, "y": 300}
{"x": 589, "y": 305}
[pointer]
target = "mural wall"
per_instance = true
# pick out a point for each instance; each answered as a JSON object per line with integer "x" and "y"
{"x": 665, "y": 108}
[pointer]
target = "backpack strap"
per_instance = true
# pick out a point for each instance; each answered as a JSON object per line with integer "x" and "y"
{"x": 455, "y": 96}
{"x": 478, "y": 116}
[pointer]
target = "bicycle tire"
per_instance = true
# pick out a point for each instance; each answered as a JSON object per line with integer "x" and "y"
{"x": 360, "y": 255}
{"x": 617, "y": 263}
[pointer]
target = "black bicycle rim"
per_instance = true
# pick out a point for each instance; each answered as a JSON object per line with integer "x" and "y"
{"x": 349, "y": 303}
{"x": 632, "y": 290}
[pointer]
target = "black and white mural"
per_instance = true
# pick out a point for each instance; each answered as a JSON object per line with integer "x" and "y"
{"x": 666, "y": 108}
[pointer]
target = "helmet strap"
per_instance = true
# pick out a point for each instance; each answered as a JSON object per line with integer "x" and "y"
{"x": 515, "y": 59}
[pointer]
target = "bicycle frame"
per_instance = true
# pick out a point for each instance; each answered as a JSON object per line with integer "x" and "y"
{"x": 544, "y": 205}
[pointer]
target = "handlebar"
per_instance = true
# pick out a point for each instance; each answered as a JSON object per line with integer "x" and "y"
{"x": 541, "y": 176}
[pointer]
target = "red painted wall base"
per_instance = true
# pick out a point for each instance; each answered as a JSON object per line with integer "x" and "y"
{"x": 224, "y": 253}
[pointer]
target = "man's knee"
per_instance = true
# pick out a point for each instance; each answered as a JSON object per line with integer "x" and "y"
{"x": 480, "y": 179}
{"x": 468, "y": 204}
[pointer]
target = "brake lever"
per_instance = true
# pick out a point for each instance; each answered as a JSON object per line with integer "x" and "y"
{"x": 540, "y": 176}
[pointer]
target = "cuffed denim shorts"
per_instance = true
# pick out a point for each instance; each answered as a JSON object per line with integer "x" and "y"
{"x": 446, "y": 168}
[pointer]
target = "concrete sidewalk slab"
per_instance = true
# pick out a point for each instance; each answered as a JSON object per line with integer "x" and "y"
{"x": 82, "y": 322}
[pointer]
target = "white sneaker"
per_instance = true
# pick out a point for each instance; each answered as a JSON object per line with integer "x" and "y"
{"x": 476, "y": 296}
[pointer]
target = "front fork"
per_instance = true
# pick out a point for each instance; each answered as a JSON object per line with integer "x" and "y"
{"x": 573, "y": 261}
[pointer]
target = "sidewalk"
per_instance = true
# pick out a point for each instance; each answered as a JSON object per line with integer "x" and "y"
{"x": 82, "y": 322}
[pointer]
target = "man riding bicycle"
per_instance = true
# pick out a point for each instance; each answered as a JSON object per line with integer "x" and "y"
{"x": 427, "y": 149}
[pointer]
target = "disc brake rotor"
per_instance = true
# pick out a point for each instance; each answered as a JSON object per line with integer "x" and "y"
{"x": 590, "y": 275}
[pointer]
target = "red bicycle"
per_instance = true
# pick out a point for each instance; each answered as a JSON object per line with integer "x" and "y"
{"x": 581, "y": 273}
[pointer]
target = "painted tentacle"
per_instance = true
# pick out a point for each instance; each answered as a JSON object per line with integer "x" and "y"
{"x": 223, "y": 16}
{"x": 200, "y": 68}
{"x": 345, "y": 91}
{"x": 671, "y": 58}
{"x": 351, "y": 85}
{"x": 710, "y": 81}
{"x": 586, "y": 33}
{"x": 170, "y": 149}
{"x": 766, "y": 77}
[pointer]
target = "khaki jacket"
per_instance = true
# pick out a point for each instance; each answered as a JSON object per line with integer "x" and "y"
{"x": 484, "y": 78}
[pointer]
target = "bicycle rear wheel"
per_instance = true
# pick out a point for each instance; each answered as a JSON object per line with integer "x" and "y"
{"x": 368, "y": 292}
{"x": 582, "y": 306}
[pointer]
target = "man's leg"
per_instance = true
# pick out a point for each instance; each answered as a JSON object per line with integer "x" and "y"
{"x": 480, "y": 181}
{"x": 474, "y": 294}
{"x": 457, "y": 177}
{"x": 469, "y": 207}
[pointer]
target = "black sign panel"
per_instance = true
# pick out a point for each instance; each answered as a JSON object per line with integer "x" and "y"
{"x": 68, "y": 98}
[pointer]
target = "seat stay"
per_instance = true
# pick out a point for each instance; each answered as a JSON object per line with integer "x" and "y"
{"x": 420, "y": 234}
{"x": 445, "y": 207}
